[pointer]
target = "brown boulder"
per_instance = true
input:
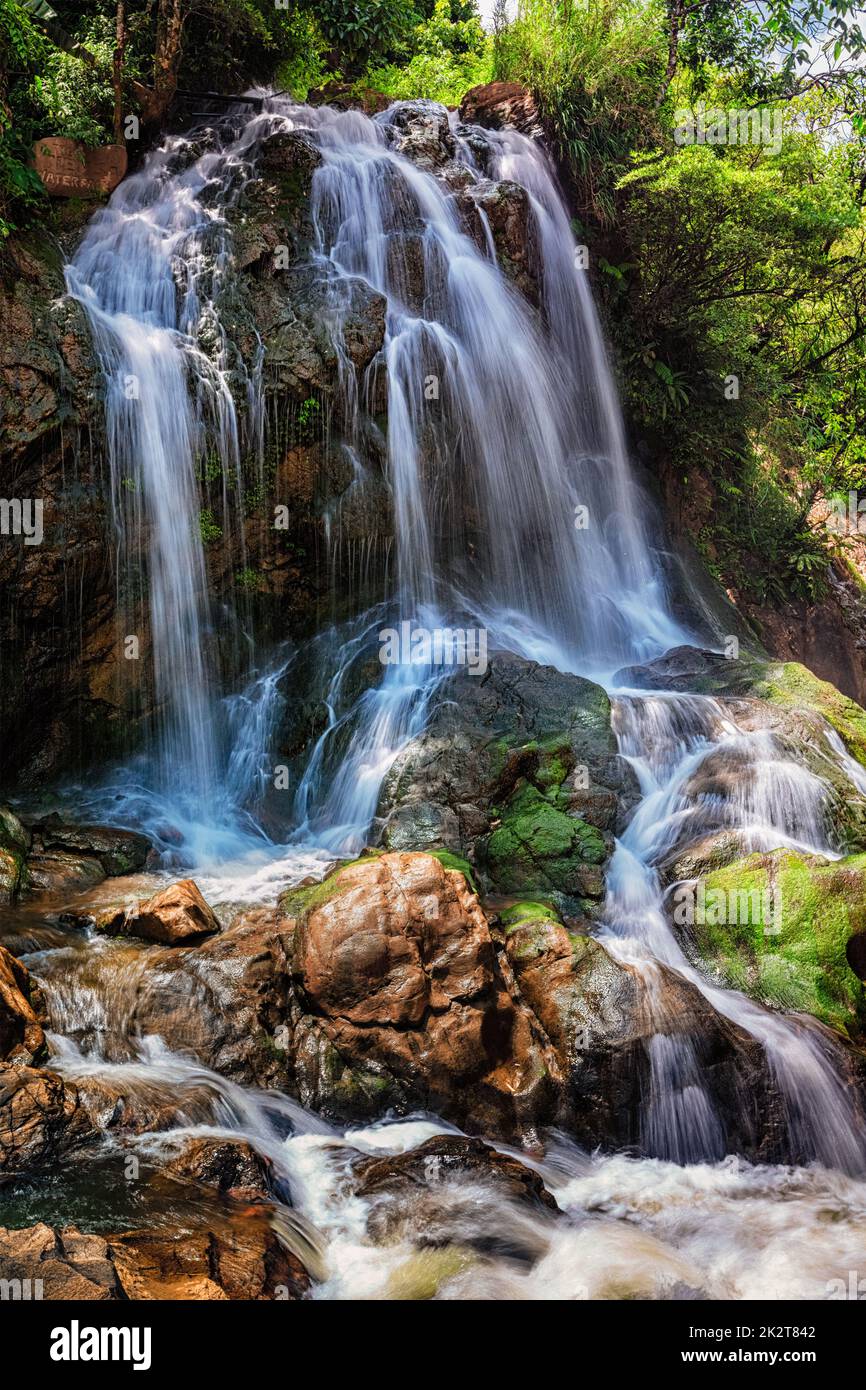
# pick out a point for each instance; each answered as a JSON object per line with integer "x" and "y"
{"x": 452, "y": 1158}
{"x": 399, "y": 969}
{"x": 41, "y": 1118}
{"x": 501, "y": 104}
{"x": 242, "y": 1260}
{"x": 21, "y": 1035}
{"x": 65, "y": 1265}
{"x": 232, "y": 1166}
{"x": 176, "y": 916}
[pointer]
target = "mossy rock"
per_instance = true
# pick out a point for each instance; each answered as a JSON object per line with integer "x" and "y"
{"x": 14, "y": 844}
{"x": 794, "y": 686}
{"x": 305, "y": 896}
{"x": 802, "y": 962}
{"x": 455, "y": 862}
{"x": 538, "y": 847}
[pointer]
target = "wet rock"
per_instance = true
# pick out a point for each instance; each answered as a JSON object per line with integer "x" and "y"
{"x": 779, "y": 927}
{"x": 14, "y": 844}
{"x": 241, "y": 1260}
{"x": 422, "y": 132}
{"x": 604, "y": 1019}
{"x": 177, "y": 916}
{"x": 394, "y": 960}
{"x": 58, "y": 1265}
{"x": 785, "y": 684}
{"x": 498, "y": 105}
{"x": 117, "y": 851}
{"x": 507, "y": 208}
{"x": 447, "y": 1159}
{"x": 303, "y": 326}
{"x": 519, "y": 773}
{"x": 232, "y": 1166}
{"x": 41, "y": 1118}
{"x": 704, "y": 855}
{"x": 21, "y": 1035}
{"x": 60, "y": 871}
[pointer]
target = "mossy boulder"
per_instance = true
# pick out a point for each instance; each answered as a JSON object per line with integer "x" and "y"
{"x": 791, "y": 926}
{"x": 518, "y": 774}
{"x": 540, "y": 847}
{"x": 14, "y": 844}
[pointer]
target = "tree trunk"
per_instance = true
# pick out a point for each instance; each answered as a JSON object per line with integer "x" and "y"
{"x": 166, "y": 58}
{"x": 119, "y": 50}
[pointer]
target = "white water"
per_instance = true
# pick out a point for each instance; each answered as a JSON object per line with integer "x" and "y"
{"x": 527, "y": 428}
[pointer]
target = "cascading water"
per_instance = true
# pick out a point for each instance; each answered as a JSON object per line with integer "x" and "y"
{"x": 490, "y": 468}
{"x": 675, "y": 742}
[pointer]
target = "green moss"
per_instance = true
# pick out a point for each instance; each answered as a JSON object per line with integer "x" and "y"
{"x": 304, "y": 897}
{"x": 448, "y": 860}
{"x": 538, "y": 846}
{"x": 528, "y": 910}
{"x": 209, "y": 528}
{"x": 793, "y": 685}
{"x": 820, "y": 906}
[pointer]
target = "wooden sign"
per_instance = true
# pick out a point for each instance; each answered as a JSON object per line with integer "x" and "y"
{"x": 69, "y": 169}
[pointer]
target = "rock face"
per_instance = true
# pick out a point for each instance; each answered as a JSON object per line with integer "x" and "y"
{"x": 519, "y": 773}
{"x": 501, "y": 104}
{"x": 603, "y": 1020}
{"x": 21, "y": 1035}
{"x": 788, "y": 930}
{"x": 176, "y": 916}
{"x": 41, "y": 1118}
{"x": 243, "y": 1260}
{"x": 397, "y": 967}
{"x": 14, "y": 845}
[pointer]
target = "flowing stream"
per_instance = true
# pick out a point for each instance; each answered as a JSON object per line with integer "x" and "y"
{"x": 561, "y": 568}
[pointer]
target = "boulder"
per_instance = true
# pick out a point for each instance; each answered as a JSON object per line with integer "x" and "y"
{"x": 394, "y": 960}
{"x": 21, "y": 1035}
{"x": 176, "y": 916}
{"x": 42, "y": 1117}
{"x": 785, "y": 928}
{"x": 605, "y": 1021}
{"x": 232, "y": 1166}
{"x": 59, "y": 872}
{"x": 241, "y": 1260}
{"x": 520, "y": 774}
{"x": 498, "y": 105}
{"x": 451, "y": 1159}
{"x": 65, "y": 1265}
{"x": 117, "y": 851}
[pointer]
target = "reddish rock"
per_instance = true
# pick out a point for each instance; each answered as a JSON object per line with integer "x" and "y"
{"x": 41, "y": 1118}
{"x": 499, "y": 104}
{"x": 176, "y": 916}
{"x": 21, "y": 1035}
{"x": 400, "y": 971}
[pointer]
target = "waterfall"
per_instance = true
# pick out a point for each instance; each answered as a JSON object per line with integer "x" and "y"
{"x": 516, "y": 512}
